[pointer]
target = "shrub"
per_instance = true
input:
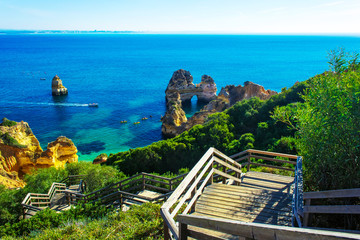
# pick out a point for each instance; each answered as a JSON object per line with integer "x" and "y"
{"x": 7, "y": 123}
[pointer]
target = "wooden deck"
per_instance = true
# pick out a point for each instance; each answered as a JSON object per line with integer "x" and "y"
{"x": 261, "y": 198}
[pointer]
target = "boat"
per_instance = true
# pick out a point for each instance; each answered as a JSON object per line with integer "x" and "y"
{"x": 124, "y": 121}
{"x": 144, "y": 118}
{"x": 136, "y": 123}
{"x": 93, "y": 104}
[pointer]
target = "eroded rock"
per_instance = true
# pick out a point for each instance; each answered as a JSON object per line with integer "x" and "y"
{"x": 20, "y": 152}
{"x": 57, "y": 87}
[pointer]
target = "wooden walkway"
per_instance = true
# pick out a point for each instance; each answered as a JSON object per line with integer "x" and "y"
{"x": 261, "y": 198}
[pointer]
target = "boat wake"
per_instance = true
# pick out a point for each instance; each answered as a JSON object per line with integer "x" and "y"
{"x": 36, "y": 104}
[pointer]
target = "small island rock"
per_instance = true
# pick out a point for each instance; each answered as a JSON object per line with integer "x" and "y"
{"x": 57, "y": 87}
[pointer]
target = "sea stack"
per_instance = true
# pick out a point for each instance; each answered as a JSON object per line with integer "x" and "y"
{"x": 57, "y": 87}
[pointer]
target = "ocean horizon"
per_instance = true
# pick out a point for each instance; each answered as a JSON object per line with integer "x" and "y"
{"x": 127, "y": 74}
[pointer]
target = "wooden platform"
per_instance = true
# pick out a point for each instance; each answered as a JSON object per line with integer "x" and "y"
{"x": 261, "y": 198}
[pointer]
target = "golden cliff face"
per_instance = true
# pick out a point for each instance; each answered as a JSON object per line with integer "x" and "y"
{"x": 20, "y": 152}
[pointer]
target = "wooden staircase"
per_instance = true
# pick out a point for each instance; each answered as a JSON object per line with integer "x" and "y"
{"x": 261, "y": 198}
{"x": 217, "y": 188}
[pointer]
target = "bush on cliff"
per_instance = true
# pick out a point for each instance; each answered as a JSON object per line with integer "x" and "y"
{"x": 222, "y": 131}
{"x": 7, "y": 123}
{"x": 328, "y": 126}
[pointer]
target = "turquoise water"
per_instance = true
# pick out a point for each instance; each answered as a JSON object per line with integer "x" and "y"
{"x": 127, "y": 74}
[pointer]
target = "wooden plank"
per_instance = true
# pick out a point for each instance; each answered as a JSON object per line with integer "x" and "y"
{"x": 227, "y": 175}
{"x": 238, "y": 154}
{"x": 341, "y": 193}
{"x": 271, "y": 166}
{"x": 192, "y": 187}
{"x": 273, "y": 159}
{"x": 157, "y": 188}
{"x": 268, "y": 232}
{"x": 272, "y": 205}
{"x": 191, "y": 175}
{"x": 201, "y": 234}
{"x": 169, "y": 221}
{"x": 272, "y": 153}
{"x": 156, "y": 181}
{"x": 155, "y": 176}
{"x": 224, "y": 157}
{"x": 198, "y": 192}
{"x": 245, "y": 197}
{"x": 241, "y": 214}
{"x": 228, "y": 165}
{"x": 336, "y": 209}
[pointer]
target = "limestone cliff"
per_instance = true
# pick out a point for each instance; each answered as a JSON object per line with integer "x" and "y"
{"x": 174, "y": 116}
{"x": 181, "y": 88}
{"x": 57, "y": 88}
{"x": 20, "y": 152}
{"x": 249, "y": 90}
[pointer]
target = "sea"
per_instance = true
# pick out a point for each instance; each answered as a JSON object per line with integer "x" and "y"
{"x": 127, "y": 74}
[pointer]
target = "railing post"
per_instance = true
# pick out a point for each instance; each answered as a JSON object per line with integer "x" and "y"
{"x": 212, "y": 175}
{"x": 182, "y": 231}
{"x": 143, "y": 182}
{"x": 170, "y": 185}
{"x": 166, "y": 232}
{"x": 307, "y": 215}
{"x": 249, "y": 162}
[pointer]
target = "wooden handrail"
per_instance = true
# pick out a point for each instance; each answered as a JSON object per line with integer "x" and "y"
{"x": 205, "y": 172}
{"x": 330, "y": 209}
{"x": 256, "y": 231}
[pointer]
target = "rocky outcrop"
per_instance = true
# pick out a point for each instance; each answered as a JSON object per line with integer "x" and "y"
{"x": 174, "y": 116}
{"x": 181, "y": 88}
{"x": 238, "y": 93}
{"x": 100, "y": 158}
{"x": 57, "y": 88}
{"x": 182, "y": 82}
{"x": 20, "y": 152}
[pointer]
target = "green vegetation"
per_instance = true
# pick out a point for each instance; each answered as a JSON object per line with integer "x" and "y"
{"x": 140, "y": 222}
{"x": 40, "y": 181}
{"x": 247, "y": 124}
{"x": 9, "y": 140}
{"x": 50, "y": 219}
{"x": 318, "y": 119}
{"x": 7, "y": 123}
{"x": 327, "y": 124}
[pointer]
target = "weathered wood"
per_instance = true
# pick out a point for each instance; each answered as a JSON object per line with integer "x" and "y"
{"x": 272, "y": 166}
{"x": 192, "y": 187}
{"x": 198, "y": 192}
{"x": 169, "y": 221}
{"x": 262, "y": 231}
{"x": 238, "y": 170}
{"x": 183, "y": 231}
{"x": 157, "y": 188}
{"x": 341, "y": 193}
{"x": 184, "y": 184}
{"x": 273, "y": 159}
{"x": 336, "y": 209}
{"x": 272, "y": 153}
{"x": 306, "y": 219}
{"x": 227, "y": 175}
{"x": 204, "y": 236}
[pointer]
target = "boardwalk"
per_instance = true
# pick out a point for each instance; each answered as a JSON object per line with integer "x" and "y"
{"x": 262, "y": 198}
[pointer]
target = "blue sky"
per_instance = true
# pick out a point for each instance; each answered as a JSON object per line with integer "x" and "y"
{"x": 213, "y": 16}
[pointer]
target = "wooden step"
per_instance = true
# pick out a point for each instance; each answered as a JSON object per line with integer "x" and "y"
{"x": 246, "y": 208}
{"x": 261, "y": 197}
{"x": 241, "y": 216}
{"x": 241, "y": 191}
{"x": 278, "y": 206}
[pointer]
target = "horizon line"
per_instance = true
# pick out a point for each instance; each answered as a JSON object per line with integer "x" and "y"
{"x": 47, "y": 31}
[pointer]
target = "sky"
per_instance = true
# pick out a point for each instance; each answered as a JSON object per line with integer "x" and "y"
{"x": 193, "y": 16}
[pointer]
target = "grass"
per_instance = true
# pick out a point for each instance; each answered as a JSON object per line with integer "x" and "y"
{"x": 140, "y": 222}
